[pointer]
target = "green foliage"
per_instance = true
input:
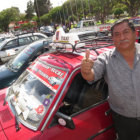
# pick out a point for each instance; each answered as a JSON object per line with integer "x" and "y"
{"x": 7, "y": 16}
{"x": 27, "y": 26}
{"x": 132, "y": 6}
{"x": 42, "y": 7}
{"x": 118, "y": 12}
{"x": 53, "y": 16}
{"x": 71, "y": 10}
{"x": 30, "y": 10}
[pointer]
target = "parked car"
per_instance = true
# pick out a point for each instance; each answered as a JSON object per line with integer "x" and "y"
{"x": 10, "y": 47}
{"x": 136, "y": 22}
{"x": 3, "y": 38}
{"x": 47, "y": 30}
{"x": 90, "y": 25}
{"x": 66, "y": 108}
{"x": 10, "y": 71}
{"x": 80, "y": 36}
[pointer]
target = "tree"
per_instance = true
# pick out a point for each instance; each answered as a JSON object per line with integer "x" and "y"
{"x": 132, "y": 6}
{"x": 52, "y": 16}
{"x": 102, "y": 8}
{"x": 42, "y": 7}
{"x": 118, "y": 12}
{"x": 8, "y": 15}
{"x": 30, "y": 10}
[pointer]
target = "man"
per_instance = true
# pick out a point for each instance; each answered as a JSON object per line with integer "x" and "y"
{"x": 121, "y": 69}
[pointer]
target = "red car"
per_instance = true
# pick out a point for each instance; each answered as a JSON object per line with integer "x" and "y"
{"x": 51, "y": 101}
{"x": 136, "y": 22}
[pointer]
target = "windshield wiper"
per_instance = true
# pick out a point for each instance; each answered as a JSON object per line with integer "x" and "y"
{"x": 16, "y": 120}
{"x": 17, "y": 123}
{"x": 16, "y": 116}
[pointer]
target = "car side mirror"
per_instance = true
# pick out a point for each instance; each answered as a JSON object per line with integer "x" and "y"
{"x": 65, "y": 120}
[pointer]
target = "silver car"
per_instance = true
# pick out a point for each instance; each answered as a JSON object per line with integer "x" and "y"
{"x": 11, "y": 47}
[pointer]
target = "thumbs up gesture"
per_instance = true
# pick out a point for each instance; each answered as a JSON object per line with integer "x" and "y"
{"x": 87, "y": 67}
{"x": 87, "y": 54}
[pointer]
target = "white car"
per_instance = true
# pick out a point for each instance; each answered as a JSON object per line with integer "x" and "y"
{"x": 10, "y": 47}
{"x": 75, "y": 37}
{"x": 90, "y": 25}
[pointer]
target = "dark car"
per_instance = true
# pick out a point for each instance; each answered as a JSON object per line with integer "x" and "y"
{"x": 47, "y": 30}
{"x": 10, "y": 71}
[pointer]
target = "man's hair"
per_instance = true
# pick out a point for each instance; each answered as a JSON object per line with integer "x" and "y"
{"x": 130, "y": 24}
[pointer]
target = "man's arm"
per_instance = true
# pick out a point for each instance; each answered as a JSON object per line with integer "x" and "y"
{"x": 87, "y": 67}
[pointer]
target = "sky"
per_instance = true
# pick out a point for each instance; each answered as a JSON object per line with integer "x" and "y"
{"x": 22, "y": 4}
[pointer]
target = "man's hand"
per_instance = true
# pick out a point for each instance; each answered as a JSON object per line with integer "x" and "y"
{"x": 87, "y": 67}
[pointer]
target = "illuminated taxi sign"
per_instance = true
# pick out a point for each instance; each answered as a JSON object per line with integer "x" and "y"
{"x": 65, "y": 38}
{"x": 61, "y": 36}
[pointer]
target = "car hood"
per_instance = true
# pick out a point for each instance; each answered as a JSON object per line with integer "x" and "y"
{"x": 7, "y": 123}
{"x": 5, "y": 73}
{"x": 6, "y": 117}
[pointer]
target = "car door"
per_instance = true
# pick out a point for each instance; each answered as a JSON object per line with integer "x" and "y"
{"x": 84, "y": 113}
{"x": 23, "y": 42}
{"x": 8, "y": 50}
{"x": 13, "y": 47}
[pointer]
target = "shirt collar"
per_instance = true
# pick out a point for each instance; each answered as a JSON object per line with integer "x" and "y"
{"x": 137, "y": 46}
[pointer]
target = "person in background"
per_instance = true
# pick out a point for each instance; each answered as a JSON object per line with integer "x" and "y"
{"x": 120, "y": 68}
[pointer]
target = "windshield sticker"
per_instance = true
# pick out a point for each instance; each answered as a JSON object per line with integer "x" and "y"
{"x": 46, "y": 102}
{"x": 40, "y": 109}
{"x": 51, "y": 76}
{"x": 49, "y": 95}
{"x": 48, "y": 98}
{"x": 29, "y": 51}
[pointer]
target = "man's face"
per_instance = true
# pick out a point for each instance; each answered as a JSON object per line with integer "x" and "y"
{"x": 123, "y": 37}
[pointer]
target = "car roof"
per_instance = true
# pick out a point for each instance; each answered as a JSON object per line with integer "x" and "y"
{"x": 24, "y": 35}
{"x": 30, "y": 34}
{"x": 71, "y": 60}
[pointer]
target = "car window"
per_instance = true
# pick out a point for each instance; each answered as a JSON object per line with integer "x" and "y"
{"x": 2, "y": 39}
{"x": 79, "y": 24}
{"x": 21, "y": 59}
{"x": 83, "y": 95}
{"x": 11, "y": 44}
{"x": 86, "y": 36}
{"x": 36, "y": 37}
{"x": 85, "y": 24}
{"x": 24, "y": 41}
{"x": 35, "y": 91}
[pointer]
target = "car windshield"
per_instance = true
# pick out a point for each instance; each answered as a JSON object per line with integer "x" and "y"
{"x": 20, "y": 59}
{"x": 3, "y": 42}
{"x": 2, "y": 39}
{"x": 49, "y": 28}
{"x": 79, "y": 24}
{"x": 32, "y": 94}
